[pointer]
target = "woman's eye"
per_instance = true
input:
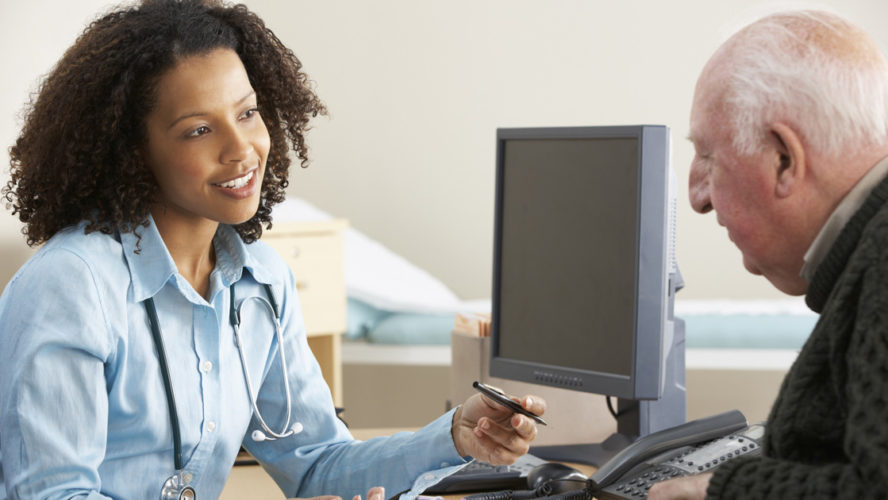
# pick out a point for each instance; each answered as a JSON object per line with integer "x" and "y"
{"x": 199, "y": 131}
{"x": 250, "y": 113}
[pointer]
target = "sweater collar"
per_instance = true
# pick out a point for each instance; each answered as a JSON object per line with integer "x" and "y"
{"x": 836, "y": 259}
{"x": 840, "y": 216}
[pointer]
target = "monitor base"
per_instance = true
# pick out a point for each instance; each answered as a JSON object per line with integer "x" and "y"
{"x": 596, "y": 454}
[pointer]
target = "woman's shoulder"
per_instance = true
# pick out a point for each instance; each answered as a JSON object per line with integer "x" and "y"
{"x": 94, "y": 246}
{"x": 75, "y": 279}
{"x": 267, "y": 256}
{"x": 72, "y": 253}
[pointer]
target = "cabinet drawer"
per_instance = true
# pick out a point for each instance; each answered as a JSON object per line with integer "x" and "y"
{"x": 316, "y": 259}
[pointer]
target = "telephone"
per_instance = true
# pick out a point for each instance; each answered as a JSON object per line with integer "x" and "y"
{"x": 691, "y": 448}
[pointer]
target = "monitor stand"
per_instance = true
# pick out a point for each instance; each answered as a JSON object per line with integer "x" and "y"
{"x": 596, "y": 454}
{"x": 635, "y": 418}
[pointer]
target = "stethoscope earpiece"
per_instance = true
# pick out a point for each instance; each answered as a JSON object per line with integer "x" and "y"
{"x": 260, "y": 436}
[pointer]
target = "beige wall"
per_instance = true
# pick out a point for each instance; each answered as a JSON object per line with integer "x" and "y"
{"x": 417, "y": 88}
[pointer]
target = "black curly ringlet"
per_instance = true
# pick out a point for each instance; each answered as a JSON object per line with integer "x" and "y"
{"x": 77, "y": 157}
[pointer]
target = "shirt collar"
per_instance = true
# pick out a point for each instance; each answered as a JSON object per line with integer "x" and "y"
{"x": 151, "y": 266}
{"x": 840, "y": 216}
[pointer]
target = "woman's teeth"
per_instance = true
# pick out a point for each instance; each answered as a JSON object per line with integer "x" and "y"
{"x": 239, "y": 182}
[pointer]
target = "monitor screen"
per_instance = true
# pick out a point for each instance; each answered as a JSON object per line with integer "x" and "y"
{"x": 582, "y": 296}
{"x": 548, "y": 226}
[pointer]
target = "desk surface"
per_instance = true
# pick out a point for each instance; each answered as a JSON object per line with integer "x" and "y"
{"x": 253, "y": 482}
{"x": 364, "y": 434}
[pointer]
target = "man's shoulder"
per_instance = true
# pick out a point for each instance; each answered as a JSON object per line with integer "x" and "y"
{"x": 871, "y": 250}
{"x": 876, "y": 230}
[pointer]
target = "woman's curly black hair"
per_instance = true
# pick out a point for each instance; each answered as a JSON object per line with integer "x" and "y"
{"x": 77, "y": 158}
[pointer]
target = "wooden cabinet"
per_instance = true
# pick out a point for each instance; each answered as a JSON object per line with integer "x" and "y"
{"x": 315, "y": 253}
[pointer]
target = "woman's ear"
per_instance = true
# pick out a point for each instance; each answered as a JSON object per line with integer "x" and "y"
{"x": 790, "y": 166}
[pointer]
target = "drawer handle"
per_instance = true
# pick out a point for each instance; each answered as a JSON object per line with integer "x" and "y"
{"x": 296, "y": 252}
{"x": 301, "y": 285}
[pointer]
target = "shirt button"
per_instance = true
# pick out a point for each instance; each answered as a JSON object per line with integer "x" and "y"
{"x": 444, "y": 464}
{"x": 206, "y": 366}
{"x": 211, "y": 426}
{"x": 187, "y": 477}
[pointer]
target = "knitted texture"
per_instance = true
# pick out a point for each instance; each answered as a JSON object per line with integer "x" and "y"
{"x": 827, "y": 434}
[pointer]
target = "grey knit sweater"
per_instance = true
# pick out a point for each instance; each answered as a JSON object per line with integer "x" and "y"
{"x": 827, "y": 434}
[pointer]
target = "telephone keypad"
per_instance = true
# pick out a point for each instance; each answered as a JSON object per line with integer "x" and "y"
{"x": 688, "y": 461}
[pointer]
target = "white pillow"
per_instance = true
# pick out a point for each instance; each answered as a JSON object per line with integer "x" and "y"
{"x": 373, "y": 273}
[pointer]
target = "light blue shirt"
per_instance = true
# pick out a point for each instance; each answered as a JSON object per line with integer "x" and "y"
{"x": 83, "y": 413}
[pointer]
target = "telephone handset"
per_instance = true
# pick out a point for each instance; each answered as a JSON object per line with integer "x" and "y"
{"x": 690, "y": 448}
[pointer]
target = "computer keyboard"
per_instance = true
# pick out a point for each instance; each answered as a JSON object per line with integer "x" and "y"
{"x": 482, "y": 476}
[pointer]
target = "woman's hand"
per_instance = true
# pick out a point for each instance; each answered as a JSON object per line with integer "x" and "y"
{"x": 683, "y": 488}
{"x": 490, "y": 432}
{"x": 375, "y": 493}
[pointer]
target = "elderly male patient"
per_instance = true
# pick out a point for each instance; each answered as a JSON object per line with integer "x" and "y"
{"x": 790, "y": 126}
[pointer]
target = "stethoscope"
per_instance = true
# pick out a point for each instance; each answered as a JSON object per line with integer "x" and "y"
{"x": 175, "y": 488}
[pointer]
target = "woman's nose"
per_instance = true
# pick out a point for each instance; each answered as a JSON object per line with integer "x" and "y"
{"x": 237, "y": 146}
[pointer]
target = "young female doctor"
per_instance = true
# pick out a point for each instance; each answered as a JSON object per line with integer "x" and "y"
{"x": 151, "y": 335}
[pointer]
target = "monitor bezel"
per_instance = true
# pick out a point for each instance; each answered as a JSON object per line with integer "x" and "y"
{"x": 645, "y": 381}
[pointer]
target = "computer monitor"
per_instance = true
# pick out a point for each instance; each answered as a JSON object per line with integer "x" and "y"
{"x": 585, "y": 276}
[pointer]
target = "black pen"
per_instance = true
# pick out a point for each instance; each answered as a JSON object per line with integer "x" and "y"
{"x": 506, "y": 401}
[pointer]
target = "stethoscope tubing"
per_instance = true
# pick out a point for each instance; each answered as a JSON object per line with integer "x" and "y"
{"x": 234, "y": 319}
{"x": 167, "y": 382}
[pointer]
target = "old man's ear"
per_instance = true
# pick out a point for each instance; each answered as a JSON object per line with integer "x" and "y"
{"x": 790, "y": 165}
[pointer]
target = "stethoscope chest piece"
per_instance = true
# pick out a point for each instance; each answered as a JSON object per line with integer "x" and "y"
{"x": 174, "y": 489}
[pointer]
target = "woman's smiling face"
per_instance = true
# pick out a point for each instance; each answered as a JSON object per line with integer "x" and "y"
{"x": 207, "y": 145}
